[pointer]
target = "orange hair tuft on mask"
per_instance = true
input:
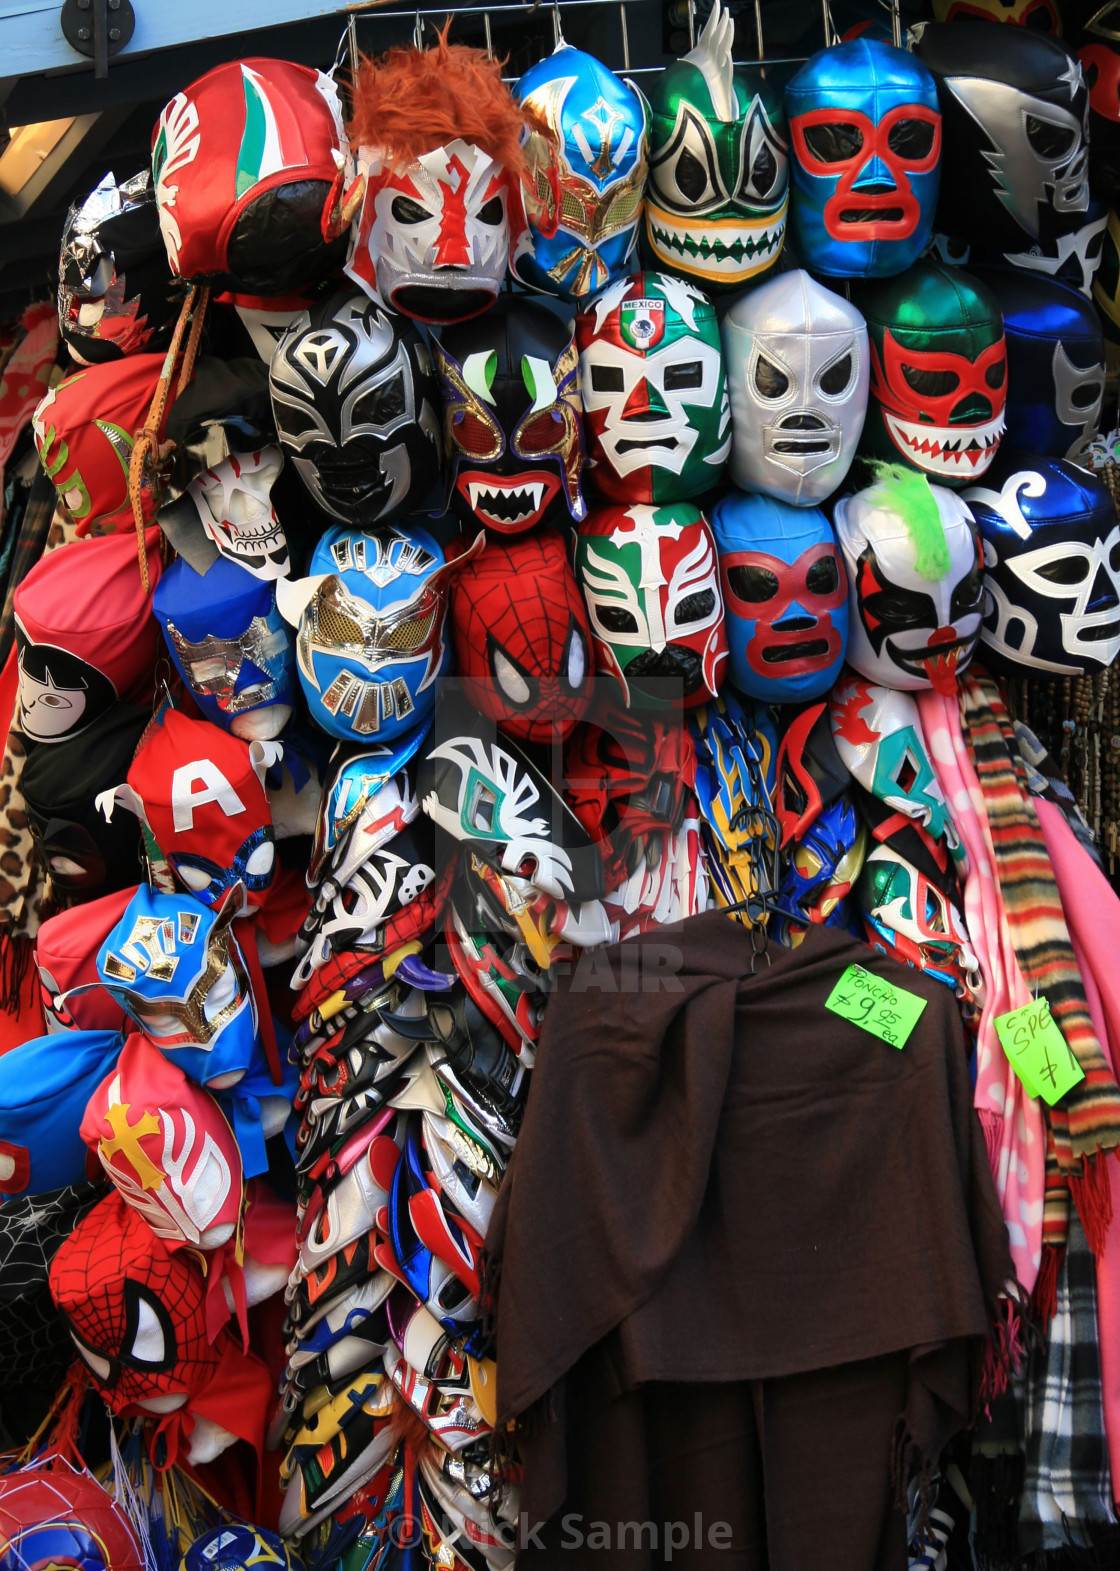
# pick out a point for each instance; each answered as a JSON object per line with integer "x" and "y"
{"x": 411, "y": 101}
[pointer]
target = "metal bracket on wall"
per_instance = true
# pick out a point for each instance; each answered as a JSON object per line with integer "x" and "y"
{"x": 98, "y": 29}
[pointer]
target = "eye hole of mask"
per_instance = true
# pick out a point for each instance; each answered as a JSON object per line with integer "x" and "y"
{"x": 194, "y": 877}
{"x": 759, "y": 178}
{"x": 1049, "y": 141}
{"x": 931, "y": 384}
{"x": 406, "y": 211}
{"x": 694, "y": 608}
{"x": 541, "y": 432}
{"x": 473, "y": 436}
{"x": 834, "y": 143}
{"x": 492, "y": 212}
{"x": 509, "y": 677}
{"x": 1085, "y": 395}
{"x": 911, "y": 139}
{"x": 1067, "y": 570}
{"x": 995, "y": 374}
{"x": 691, "y": 177}
{"x": 836, "y": 377}
{"x": 822, "y": 578}
{"x": 751, "y": 583}
{"x": 607, "y": 379}
{"x": 770, "y": 382}
{"x": 617, "y": 620}
{"x": 381, "y": 404}
{"x": 480, "y": 812}
{"x": 686, "y": 373}
{"x": 261, "y": 860}
{"x": 576, "y": 663}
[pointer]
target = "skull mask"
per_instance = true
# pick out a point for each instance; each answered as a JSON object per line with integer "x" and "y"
{"x": 596, "y": 141}
{"x": 650, "y": 579}
{"x": 797, "y": 370}
{"x": 915, "y": 582}
{"x": 232, "y": 502}
{"x": 511, "y": 413}
{"x": 1051, "y": 545}
{"x": 866, "y": 137}
{"x": 353, "y": 396}
{"x": 658, "y": 421}
{"x": 719, "y": 175}
{"x": 938, "y": 372}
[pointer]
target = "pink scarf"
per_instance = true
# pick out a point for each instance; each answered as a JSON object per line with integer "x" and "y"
{"x": 1092, "y": 913}
{"x": 1012, "y": 1121}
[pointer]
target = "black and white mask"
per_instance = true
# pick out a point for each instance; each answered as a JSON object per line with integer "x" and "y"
{"x": 237, "y": 515}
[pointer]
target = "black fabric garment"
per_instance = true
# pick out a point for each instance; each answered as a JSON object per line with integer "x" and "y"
{"x": 737, "y": 1185}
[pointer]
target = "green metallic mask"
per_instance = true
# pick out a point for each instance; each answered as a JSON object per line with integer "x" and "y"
{"x": 719, "y": 175}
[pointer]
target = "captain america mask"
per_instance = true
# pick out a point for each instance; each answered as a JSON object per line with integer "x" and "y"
{"x": 938, "y": 372}
{"x": 719, "y": 172}
{"x": 797, "y": 372}
{"x": 592, "y": 157}
{"x": 865, "y": 134}
{"x": 785, "y": 597}
{"x": 1052, "y": 567}
{"x": 650, "y": 580}
{"x": 658, "y": 420}
{"x": 511, "y": 418}
{"x": 915, "y": 582}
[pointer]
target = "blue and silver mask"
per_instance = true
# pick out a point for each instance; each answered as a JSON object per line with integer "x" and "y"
{"x": 230, "y": 645}
{"x": 370, "y": 643}
{"x": 175, "y": 967}
{"x": 819, "y": 871}
{"x": 588, "y": 176}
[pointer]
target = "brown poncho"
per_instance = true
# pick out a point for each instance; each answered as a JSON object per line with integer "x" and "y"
{"x": 719, "y": 1180}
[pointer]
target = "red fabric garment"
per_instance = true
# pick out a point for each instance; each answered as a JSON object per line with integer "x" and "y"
{"x": 26, "y": 375}
{"x": 66, "y": 955}
{"x": 24, "y": 1019}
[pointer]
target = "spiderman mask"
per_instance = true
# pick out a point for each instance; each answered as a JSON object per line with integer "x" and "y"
{"x": 866, "y": 138}
{"x": 938, "y": 373}
{"x": 511, "y": 413}
{"x": 521, "y": 636}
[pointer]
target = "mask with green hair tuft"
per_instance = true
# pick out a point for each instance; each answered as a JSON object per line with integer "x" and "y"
{"x": 909, "y": 495}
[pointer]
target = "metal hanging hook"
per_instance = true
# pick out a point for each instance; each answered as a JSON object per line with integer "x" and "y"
{"x": 557, "y": 30}
{"x": 418, "y": 31}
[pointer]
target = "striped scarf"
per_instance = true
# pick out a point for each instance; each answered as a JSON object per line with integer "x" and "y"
{"x": 1085, "y": 1126}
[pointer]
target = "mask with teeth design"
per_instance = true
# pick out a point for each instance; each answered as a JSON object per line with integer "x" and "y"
{"x": 511, "y": 418}
{"x": 658, "y": 418}
{"x": 1015, "y": 108}
{"x": 797, "y": 371}
{"x": 1052, "y": 567}
{"x": 865, "y": 138}
{"x": 232, "y": 501}
{"x": 651, "y": 582}
{"x": 587, "y": 174}
{"x": 938, "y": 373}
{"x": 719, "y": 175}
{"x": 915, "y": 581}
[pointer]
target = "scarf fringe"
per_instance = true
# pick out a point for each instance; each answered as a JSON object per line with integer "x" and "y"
{"x": 1004, "y": 1350}
{"x": 1044, "y": 1299}
{"x": 996, "y": 1481}
{"x": 16, "y": 956}
{"x": 910, "y": 1468}
{"x": 1092, "y": 1195}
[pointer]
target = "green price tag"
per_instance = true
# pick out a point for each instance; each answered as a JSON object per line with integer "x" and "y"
{"x": 1038, "y": 1052}
{"x": 888, "y": 1012}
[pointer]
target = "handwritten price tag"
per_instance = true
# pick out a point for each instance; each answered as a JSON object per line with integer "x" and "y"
{"x": 1038, "y": 1051}
{"x": 888, "y": 1012}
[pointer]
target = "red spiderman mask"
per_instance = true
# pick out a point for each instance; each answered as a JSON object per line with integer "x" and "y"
{"x": 522, "y": 638}
{"x": 201, "y": 792}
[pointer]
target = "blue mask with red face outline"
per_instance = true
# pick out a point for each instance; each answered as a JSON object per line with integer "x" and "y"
{"x": 865, "y": 139}
{"x": 784, "y": 594}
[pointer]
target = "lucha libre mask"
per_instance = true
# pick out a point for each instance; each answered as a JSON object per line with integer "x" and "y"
{"x": 441, "y": 214}
{"x": 201, "y": 793}
{"x": 353, "y": 397}
{"x": 878, "y": 734}
{"x": 719, "y": 175}
{"x": 230, "y": 645}
{"x": 1106, "y": 282}
{"x": 650, "y": 579}
{"x": 1051, "y": 546}
{"x": 521, "y": 636}
{"x": 57, "y": 1514}
{"x": 1041, "y": 16}
{"x": 367, "y": 800}
{"x": 247, "y": 167}
{"x": 115, "y": 293}
{"x": 1015, "y": 111}
{"x": 938, "y": 373}
{"x": 907, "y": 917}
{"x": 1099, "y": 55}
{"x": 865, "y": 133}
{"x": 1055, "y": 363}
{"x": 810, "y": 772}
{"x": 797, "y": 371}
{"x": 915, "y": 582}
{"x": 785, "y": 597}
{"x": 167, "y": 1148}
{"x": 232, "y": 503}
{"x": 819, "y": 871}
{"x": 657, "y": 417}
{"x": 511, "y": 418}
{"x": 175, "y": 968}
{"x": 370, "y": 630}
{"x": 594, "y": 151}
